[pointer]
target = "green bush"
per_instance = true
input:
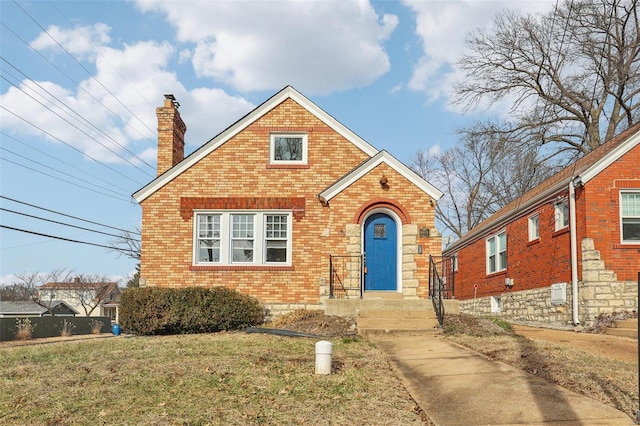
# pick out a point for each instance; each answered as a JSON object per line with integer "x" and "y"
{"x": 153, "y": 310}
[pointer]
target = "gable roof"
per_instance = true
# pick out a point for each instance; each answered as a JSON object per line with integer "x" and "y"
{"x": 368, "y": 165}
{"x": 25, "y": 307}
{"x": 287, "y": 93}
{"x": 580, "y": 172}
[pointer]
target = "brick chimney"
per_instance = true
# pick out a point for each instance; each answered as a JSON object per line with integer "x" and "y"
{"x": 171, "y": 130}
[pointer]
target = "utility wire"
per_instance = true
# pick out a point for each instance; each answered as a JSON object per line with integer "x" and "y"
{"x": 69, "y": 145}
{"x": 95, "y": 48}
{"x": 60, "y": 171}
{"x": 7, "y": 136}
{"x": 123, "y": 251}
{"x": 83, "y": 67}
{"x": 67, "y": 224}
{"x": 60, "y": 179}
{"x": 78, "y": 115}
{"x": 78, "y": 85}
{"x": 81, "y": 131}
{"x": 67, "y": 215}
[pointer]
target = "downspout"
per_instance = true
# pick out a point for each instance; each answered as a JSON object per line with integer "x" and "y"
{"x": 574, "y": 250}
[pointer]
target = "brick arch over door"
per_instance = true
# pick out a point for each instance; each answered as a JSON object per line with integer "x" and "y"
{"x": 393, "y": 205}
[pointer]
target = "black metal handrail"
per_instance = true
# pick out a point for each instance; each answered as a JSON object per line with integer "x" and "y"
{"x": 436, "y": 290}
{"x": 346, "y": 276}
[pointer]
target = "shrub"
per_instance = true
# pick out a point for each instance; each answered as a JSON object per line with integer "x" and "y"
{"x": 96, "y": 326}
{"x": 24, "y": 329}
{"x": 153, "y": 310}
{"x": 67, "y": 328}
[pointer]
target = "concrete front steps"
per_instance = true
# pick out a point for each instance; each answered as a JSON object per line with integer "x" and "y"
{"x": 624, "y": 328}
{"x": 385, "y": 313}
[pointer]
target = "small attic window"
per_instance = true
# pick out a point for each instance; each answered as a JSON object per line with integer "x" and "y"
{"x": 288, "y": 148}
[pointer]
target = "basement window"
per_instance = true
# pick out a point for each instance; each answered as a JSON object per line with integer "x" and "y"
{"x": 496, "y": 304}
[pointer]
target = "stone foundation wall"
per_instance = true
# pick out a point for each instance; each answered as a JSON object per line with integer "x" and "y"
{"x": 599, "y": 293}
{"x": 528, "y": 305}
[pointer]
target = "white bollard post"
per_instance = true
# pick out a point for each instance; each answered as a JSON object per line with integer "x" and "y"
{"x": 323, "y": 357}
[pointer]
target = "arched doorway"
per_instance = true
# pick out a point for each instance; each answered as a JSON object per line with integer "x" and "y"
{"x": 381, "y": 253}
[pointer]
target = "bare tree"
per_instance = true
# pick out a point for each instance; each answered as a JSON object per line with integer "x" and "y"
{"x": 128, "y": 244}
{"x": 573, "y": 75}
{"x": 85, "y": 291}
{"x": 480, "y": 175}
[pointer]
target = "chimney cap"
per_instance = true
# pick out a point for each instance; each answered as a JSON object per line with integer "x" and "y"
{"x": 170, "y": 97}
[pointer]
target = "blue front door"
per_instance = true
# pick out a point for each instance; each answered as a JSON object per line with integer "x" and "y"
{"x": 381, "y": 258}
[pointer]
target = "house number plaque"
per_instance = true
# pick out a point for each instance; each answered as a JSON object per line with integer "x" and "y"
{"x": 424, "y": 232}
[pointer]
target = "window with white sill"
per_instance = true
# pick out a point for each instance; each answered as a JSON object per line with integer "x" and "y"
{"x": 288, "y": 149}
{"x": 242, "y": 238}
{"x": 630, "y": 217}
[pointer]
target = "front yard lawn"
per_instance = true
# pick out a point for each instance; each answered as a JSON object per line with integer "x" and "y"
{"x": 217, "y": 379}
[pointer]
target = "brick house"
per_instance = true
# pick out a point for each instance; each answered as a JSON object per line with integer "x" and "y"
{"x": 268, "y": 205}
{"x": 566, "y": 251}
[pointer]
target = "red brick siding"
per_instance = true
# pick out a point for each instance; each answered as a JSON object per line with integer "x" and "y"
{"x": 542, "y": 263}
{"x": 602, "y": 222}
{"x": 534, "y": 264}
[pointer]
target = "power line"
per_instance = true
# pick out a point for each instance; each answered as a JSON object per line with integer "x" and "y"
{"x": 67, "y": 215}
{"x": 60, "y": 171}
{"x": 67, "y": 224}
{"x": 78, "y": 115}
{"x": 78, "y": 85}
{"x": 123, "y": 251}
{"x": 60, "y": 179}
{"x": 88, "y": 40}
{"x": 69, "y": 145}
{"x": 82, "y": 66}
{"x": 57, "y": 159}
{"x": 80, "y": 130}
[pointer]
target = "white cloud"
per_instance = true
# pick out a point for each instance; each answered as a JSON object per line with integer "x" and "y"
{"x": 318, "y": 47}
{"x": 443, "y": 27}
{"x": 121, "y": 102}
{"x": 80, "y": 41}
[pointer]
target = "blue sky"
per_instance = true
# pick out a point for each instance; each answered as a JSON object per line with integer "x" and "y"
{"x": 81, "y": 81}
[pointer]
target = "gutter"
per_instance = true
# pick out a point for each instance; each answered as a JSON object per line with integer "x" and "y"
{"x": 576, "y": 181}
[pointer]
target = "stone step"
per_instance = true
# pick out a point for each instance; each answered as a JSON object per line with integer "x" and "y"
{"x": 627, "y": 323}
{"x": 382, "y": 295}
{"x": 623, "y": 332}
{"x": 394, "y": 314}
{"x": 351, "y": 307}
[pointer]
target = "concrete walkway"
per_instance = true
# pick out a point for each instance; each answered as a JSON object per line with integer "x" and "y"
{"x": 457, "y": 386}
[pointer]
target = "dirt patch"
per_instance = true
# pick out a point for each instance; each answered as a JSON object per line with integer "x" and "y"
{"x": 612, "y": 347}
{"x": 317, "y": 323}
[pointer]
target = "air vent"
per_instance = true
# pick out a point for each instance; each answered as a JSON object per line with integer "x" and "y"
{"x": 559, "y": 293}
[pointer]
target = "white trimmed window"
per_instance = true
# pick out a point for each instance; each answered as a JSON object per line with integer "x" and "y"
{"x": 288, "y": 148}
{"x": 562, "y": 214}
{"x": 630, "y": 217}
{"x": 497, "y": 253}
{"x": 242, "y": 238}
{"x": 534, "y": 227}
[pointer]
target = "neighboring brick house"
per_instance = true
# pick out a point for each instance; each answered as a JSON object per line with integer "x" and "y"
{"x": 262, "y": 206}
{"x": 88, "y": 299}
{"x": 566, "y": 251}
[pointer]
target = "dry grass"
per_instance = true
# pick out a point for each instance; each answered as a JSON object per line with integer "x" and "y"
{"x": 216, "y": 379}
{"x": 610, "y": 381}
